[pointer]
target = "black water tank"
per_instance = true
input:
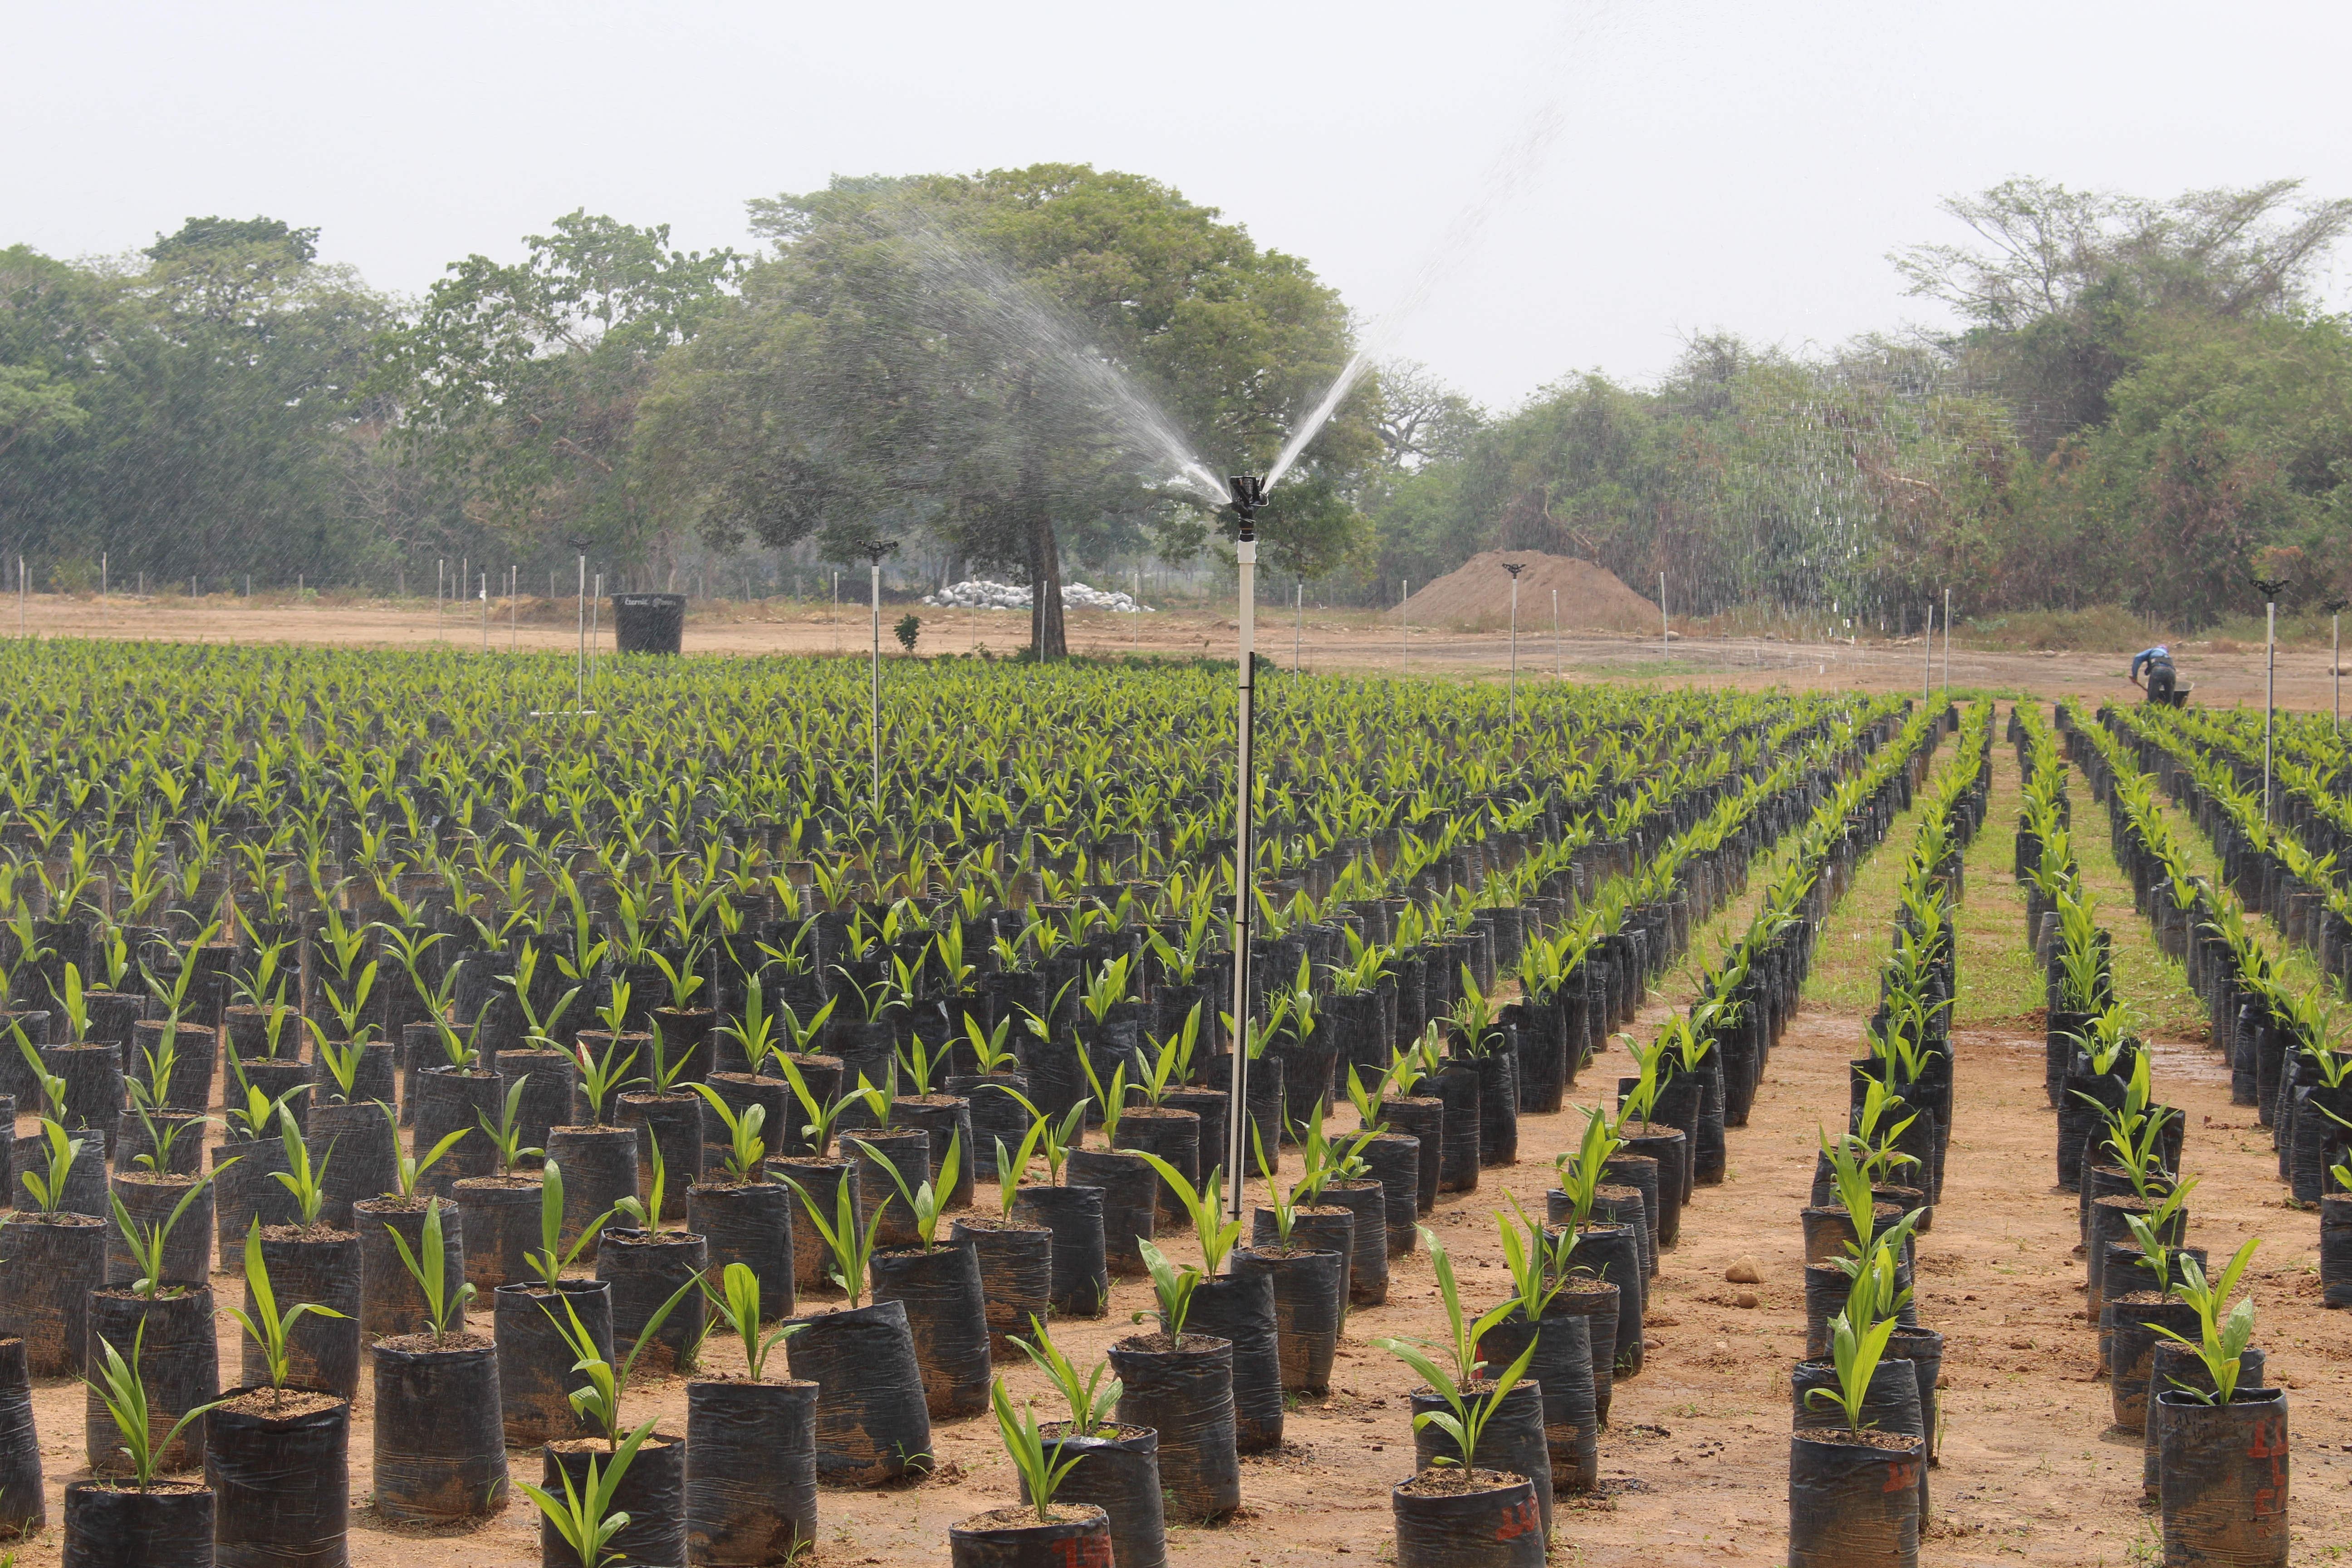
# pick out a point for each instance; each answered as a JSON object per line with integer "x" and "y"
{"x": 648, "y": 622}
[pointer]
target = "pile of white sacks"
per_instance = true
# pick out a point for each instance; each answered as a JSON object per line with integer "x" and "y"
{"x": 979, "y": 594}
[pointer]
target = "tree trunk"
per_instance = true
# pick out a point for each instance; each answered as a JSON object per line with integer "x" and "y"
{"x": 1045, "y": 637}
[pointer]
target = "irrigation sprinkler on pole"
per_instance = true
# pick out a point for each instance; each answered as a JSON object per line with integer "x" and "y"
{"x": 874, "y": 550}
{"x": 1515, "y": 568}
{"x": 1298, "y": 629}
{"x": 1404, "y": 612}
{"x": 1665, "y": 626}
{"x": 486, "y": 611}
{"x": 2271, "y": 588}
{"x": 1248, "y": 496}
{"x": 1947, "y": 645}
{"x": 1555, "y": 634}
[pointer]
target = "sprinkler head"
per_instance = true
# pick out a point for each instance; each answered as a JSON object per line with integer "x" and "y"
{"x": 1515, "y": 567}
{"x": 1249, "y": 494}
{"x": 875, "y": 550}
{"x": 2272, "y": 588}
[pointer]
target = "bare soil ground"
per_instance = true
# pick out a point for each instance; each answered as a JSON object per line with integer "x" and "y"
{"x": 1477, "y": 595}
{"x": 1330, "y": 641}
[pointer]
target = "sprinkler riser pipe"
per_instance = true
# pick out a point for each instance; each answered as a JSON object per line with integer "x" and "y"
{"x": 1237, "y": 1119}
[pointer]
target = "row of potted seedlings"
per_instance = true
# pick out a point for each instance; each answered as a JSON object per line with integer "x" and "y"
{"x": 1513, "y": 1399}
{"x": 1866, "y": 1427}
{"x": 2183, "y": 1373}
{"x": 2273, "y": 1030}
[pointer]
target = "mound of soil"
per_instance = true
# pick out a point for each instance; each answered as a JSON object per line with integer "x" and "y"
{"x": 1477, "y": 597}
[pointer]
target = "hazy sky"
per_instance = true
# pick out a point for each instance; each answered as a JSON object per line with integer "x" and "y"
{"x": 1728, "y": 165}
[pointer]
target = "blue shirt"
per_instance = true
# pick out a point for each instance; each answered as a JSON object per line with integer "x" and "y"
{"x": 2150, "y": 657}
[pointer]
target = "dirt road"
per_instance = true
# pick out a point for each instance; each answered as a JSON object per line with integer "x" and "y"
{"x": 1353, "y": 642}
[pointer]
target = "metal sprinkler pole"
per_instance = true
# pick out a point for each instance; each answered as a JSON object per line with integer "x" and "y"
{"x": 875, "y": 550}
{"x": 2270, "y": 695}
{"x": 1298, "y": 630}
{"x": 2270, "y": 589}
{"x": 1665, "y": 626}
{"x": 1248, "y": 496}
{"x": 486, "y": 612}
{"x": 1404, "y": 612}
{"x": 580, "y": 704}
{"x": 2336, "y": 662}
{"x": 1515, "y": 568}
{"x": 1947, "y": 645}
{"x": 1927, "y": 672}
{"x": 1555, "y": 634}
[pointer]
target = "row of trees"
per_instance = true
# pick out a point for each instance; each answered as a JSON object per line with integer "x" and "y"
{"x": 1016, "y": 366}
{"x": 1004, "y": 366}
{"x": 2142, "y": 406}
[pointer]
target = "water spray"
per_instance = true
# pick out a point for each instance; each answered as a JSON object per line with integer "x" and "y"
{"x": 1248, "y": 497}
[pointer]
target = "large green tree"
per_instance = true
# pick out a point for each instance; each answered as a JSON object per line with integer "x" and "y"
{"x": 1014, "y": 363}
{"x": 183, "y": 410}
{"x": 519, "y": 382}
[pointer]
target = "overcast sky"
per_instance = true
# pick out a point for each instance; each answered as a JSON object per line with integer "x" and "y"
{"x": 1711, "y": 165}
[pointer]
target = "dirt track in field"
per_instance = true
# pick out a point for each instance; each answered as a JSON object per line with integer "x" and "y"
{"x": 1349, "y": 642}
{"x": 1695, "y": 1462}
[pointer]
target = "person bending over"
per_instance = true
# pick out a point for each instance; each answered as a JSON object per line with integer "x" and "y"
{"x": 2162, "y": 678}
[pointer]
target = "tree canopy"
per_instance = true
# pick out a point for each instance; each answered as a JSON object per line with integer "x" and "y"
{"x": 2140, "y": 400}
{"x": 184, "y": 412}
{"x": 522, "y": 380}
{"x": 1014, "y": 362}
